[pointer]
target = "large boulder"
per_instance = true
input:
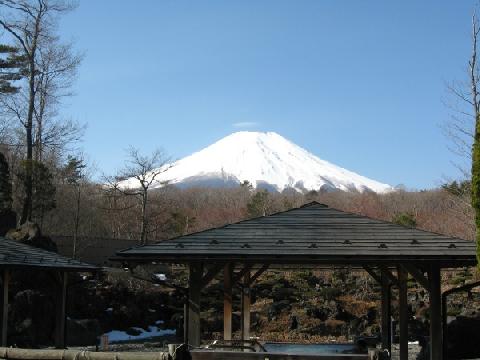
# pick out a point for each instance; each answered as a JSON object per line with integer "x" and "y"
{"x": 277, "y": 307}
{"x": 463, "y": 338}
{"x": 83, "y": 332}
{"x": 29, "y": 233}
{"x": 31, "y": 319}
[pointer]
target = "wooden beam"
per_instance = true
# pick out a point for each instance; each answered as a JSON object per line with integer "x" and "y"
{"x": 373, "y": 274}
{"x": 386, "y": 313}
{"x": 60, "y": 311}
{"x": 436, "y": 333}
{"x": 194, "y": 288}
{"x": 6, "y": 282}
{"x": 418, "y": 275}
{"x": 393, "y": 279}
{"x": 403, "y": 311}
{"x": 227, "y": 302}
{"x": 245, "y": 320}
{"x": 238, "y": 276}
{"x": 210, "y": 275}
{"x": 258, "y": 273}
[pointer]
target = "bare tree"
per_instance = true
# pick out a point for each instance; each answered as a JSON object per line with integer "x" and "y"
{"x": 465, "y": 105}
{"x": 32, "y": 25}
{"x": 464, "y": 130}
{"x": 138, "y": 176}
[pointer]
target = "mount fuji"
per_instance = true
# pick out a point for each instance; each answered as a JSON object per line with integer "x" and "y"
{"x": 265, "y": 160}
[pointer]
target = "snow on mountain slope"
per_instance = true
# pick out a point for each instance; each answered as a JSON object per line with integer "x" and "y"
{"x": 266, "y": 160}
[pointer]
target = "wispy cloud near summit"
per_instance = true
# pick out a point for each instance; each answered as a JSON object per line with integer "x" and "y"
{"x": 245, "y": 124}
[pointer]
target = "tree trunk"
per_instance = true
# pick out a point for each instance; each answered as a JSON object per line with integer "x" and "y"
{"x": 476, "y": 138}
{"x": 28, "y": 200}
{"x": 143, "y": 231}
{"x": 76, "y": 223}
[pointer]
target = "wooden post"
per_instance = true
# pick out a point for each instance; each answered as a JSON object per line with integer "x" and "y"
{"x": 194, "y": 287}
{"x": 227, "y": 302}
{"x": 185, "y": 320}
{"x": 245, "y": 320}
{"x": 61, "y": 308}
{"x": 5, "y": 281}
{"x": 403, "y": 310}
{"x": 386, "y": 313}
{"x": 436, "y": 334}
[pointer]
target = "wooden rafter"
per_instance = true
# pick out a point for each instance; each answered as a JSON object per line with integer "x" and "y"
{"x": 393, "y": 279}
{"x": 373, "y": 274}
{"x": 257, "y": 274}
{"x": 210, "y": 274}
{"x": 418, "y": 275}
{"x": 237, "y": 276}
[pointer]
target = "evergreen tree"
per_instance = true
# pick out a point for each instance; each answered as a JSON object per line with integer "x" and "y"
{"x": 43, "y": 191}
{"x": 405, "y": 219}
{"x": 179, "y": 223}
{"x": 73, "y": 171}
{"x": 5, "y": 186}
{"x": 258, "y": 204}
{"x": 457, "y": 188}
{"x": 73, "y": 174}
{"x": 12, "y": 68}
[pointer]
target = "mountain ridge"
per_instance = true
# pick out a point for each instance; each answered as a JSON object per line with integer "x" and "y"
{"x": 265, "y": 160}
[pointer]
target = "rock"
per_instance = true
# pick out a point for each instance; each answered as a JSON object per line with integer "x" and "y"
{"x": 277, "y": 307}
{"x": 293, "y": 322}
{"x": 133, "y": 331}
{"x": 29, "y": 233}
{"x": 463, "y": 338}
{"x": 321, "y": 313}
{"x": 280, "y": 294}
{"x": 82, "y": 332}
{"x": 336, "y": 327}
{"x": 24, "y": 232}
{"x": 31, "y": 317}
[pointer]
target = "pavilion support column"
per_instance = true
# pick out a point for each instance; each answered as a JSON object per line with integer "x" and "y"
{"x": 436, "y": 333}
{"x": 245, "y": 316}
{"x": 403, "y": 310}
{"x": 386, "y": 313}
{"x": 194, "y": 288}
{"x": 5, "y": 285}
{"x": 227, "y": 302}
{"x": 60, "y": 311}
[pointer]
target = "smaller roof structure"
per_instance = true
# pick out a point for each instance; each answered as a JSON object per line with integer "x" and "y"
{"x": 311, "y": 234}
{"x": 14, "y": 254}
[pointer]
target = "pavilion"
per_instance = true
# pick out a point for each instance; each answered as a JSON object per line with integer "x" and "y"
{"x": 15, "y": 256}
{"x": 313, "y": 236}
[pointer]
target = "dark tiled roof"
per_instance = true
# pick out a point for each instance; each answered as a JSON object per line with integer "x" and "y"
{"x": 311, "y": 233}
{"x": 16, "y": 254}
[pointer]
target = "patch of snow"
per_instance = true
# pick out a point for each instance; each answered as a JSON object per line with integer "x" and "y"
{"x": 266, "y": 160}
{"x": 153, "y": 331}
{"x": 160, "y": 277}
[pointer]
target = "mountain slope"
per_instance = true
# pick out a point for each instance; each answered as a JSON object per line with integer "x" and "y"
{"x": 266, "y": 160}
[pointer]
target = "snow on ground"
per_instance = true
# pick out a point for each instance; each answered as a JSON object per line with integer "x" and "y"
{"x": 153, "y": 331}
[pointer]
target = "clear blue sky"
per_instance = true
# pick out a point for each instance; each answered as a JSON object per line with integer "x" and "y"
{"x": 358, "y": 83}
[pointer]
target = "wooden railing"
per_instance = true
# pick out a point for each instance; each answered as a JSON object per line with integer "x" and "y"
{"x": 237, "y": 355}
{"x": 34, "y": 354}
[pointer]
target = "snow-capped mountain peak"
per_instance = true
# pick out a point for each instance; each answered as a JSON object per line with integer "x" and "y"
{"x": 265, "y": 159}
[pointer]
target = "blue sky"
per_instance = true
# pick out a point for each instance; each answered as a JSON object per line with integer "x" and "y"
{"x": 358, "y": 83}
